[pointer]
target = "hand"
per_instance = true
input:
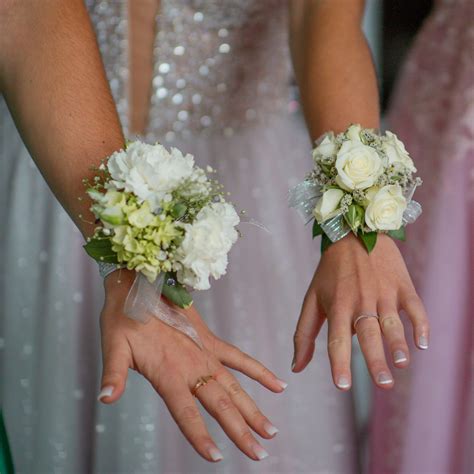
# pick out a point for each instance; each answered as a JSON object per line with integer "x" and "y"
{"x": 173, "y": 364}
{"x": 348, "y": 283}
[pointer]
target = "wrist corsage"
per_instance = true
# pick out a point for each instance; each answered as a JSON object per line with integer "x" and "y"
{"x": 362, "y": 182}
{"x": 162, "y": 216}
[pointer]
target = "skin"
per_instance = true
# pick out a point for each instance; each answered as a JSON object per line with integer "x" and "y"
{"x": 338, "y": 87}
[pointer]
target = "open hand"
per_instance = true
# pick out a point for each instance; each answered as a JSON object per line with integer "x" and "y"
{"x": 348, "y": 284}
{"x": 173, "y": 364}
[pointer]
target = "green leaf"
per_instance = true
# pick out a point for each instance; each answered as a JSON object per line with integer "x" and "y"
{"x": 325, "y": 242}
{"x": 101, "y": 250}
{"x": 354, "y": 216}
{"x": 179, "y": 210}
{"x": 369, "y": 239}
{"x": 317, "y": 230}
{"x": 398, "y": 234}
{"x": 176, "y": 293}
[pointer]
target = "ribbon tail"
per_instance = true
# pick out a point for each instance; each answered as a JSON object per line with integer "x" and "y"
{"x": 144, "y": 302}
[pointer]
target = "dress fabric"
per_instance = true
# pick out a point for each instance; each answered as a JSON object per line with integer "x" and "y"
{"x": 221, "y": 90}
{"x": 425, "y": 424}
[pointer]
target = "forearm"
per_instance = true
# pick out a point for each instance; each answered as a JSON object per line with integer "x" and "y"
{"x": 53, "y": 81}
{"x": 333, "y": 65}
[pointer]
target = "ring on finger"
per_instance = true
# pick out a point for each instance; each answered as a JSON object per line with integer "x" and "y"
{"x": 364, "y": 316}
{"x": 204, "y": 380}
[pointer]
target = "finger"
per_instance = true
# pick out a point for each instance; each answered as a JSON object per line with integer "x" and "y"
{"x": 245, "y": 404}
{"x": 394, "y": 334}
{"x": 116, "y": 361}
{"x": 415, "y": 309}
{"x": 370, "y": 339}
{"x": 218, "y": 403}
{"x": 308, "y": 327}
{"x": 185, "y": 412}
{"x": 234, "y": 358}
{"x": 339, "y": 349}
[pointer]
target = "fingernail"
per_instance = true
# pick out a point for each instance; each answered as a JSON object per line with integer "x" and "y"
{"x": 259, "y": 452}
{"x": 399, "y": 356}
{"x": 215, "y": 454}
{"x": 270, "y": 429}
{"x": 105, "y": 392}
{"x": 423, "y": 342}
{"x": 282, "y": 384}
{"x": 293, "y": 364}
{"x": 343, "y": 382}
{"x": 384, "y": 379}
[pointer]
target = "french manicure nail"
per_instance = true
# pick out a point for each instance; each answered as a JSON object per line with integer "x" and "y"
{"x": 282, "y": 384}
{"x": 399, "y": 356}
{"x": 270, "y": 429}
{"x": 384, "y": 379}
{"x": 105, "y": 392}
{"x": 423, "y": 342}
{"x": 215, "y": 454}
{"x": 259, "y": 452}
{"x": 293, "y": 365}
{"x": 343, "y": 382}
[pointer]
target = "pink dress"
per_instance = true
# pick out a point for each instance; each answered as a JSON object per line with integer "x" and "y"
{"x": 425, "y": 424}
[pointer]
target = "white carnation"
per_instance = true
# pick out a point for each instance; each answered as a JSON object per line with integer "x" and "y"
{"x": 358, "y": 166}
{"x": 386, "y": 208}
{"x": 207, "y": 241}
{"x": 151, "y": 172}
{"x": 396, "y": 151}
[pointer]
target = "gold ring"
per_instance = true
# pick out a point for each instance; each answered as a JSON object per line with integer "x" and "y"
{"x": 200, "y": 383}
{"x": 365, "y": 316}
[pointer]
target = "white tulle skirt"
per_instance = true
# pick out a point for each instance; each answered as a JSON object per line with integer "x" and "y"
{"x": 51, "y": 296}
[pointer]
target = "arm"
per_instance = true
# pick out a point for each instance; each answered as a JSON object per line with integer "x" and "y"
{"x": 333, "y": 65}
{"x": 53, "y": 81}
{"x": 338, "y": 86}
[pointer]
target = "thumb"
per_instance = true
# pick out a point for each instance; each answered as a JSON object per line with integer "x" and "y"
{"x": 307, "y": 329}
{"x": 116, "y": 361}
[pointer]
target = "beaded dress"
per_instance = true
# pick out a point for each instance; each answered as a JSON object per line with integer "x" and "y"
{"x": 221, "y": 90}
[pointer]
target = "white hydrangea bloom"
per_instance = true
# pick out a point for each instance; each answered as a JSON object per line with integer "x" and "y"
{"x": 207, "y": 241}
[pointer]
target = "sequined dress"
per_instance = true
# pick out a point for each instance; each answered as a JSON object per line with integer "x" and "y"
{"x": 221, "y": 89}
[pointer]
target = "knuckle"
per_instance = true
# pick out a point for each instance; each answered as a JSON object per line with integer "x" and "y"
{"x": 369, "y": 333}
{"x": 246, "y": 436}
{"x": 412, "y": 299}
{"x": 336, "y": 341}
{"x": 189, "y": 414}
{"x": 224, "y": 404}
{"x": 265, "y": 373}
{"x": 390, "y": 322}
{"x": 235, "y": 388}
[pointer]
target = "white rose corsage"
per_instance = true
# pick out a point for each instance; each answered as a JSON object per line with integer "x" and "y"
{"x": 362, "y": 182}
{"x": 162, "y": 216}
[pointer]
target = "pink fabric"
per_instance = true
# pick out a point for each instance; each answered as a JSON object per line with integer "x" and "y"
{"x": 424, "y": 425}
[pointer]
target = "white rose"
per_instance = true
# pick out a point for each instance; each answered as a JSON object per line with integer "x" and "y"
{"x": 358, "y": 166}
{"x": 386, "y": 208}
{"x": 328, "y": 205}
{"x": 207, "y": 241}
{"x": 149, "y": 171}
{"x": 396, "y": 152}
{"x": 353, "y": 133}
{"x": 326, "y": 149}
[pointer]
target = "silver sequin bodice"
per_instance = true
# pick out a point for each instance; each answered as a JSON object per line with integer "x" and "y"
{"x": 218, "y": 65}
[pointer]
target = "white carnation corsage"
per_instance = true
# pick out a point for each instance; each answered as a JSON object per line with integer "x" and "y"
{"x": 362, "y": 182}
{"x": 162, "y": 216}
